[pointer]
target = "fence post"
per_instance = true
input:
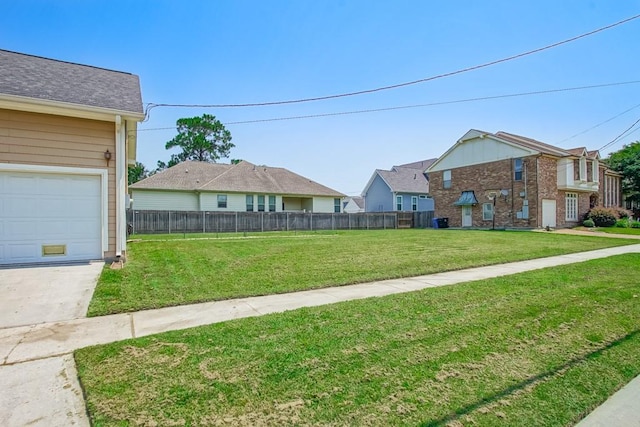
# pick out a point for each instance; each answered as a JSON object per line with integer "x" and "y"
{"x": 236, "y": 222}
{"x": 169, "y": 221}
{"x": 204, "y": 223}
{"x": 311, "y": 221}
{"x": 287, "y": 220}
{"x": 262, "y": 222}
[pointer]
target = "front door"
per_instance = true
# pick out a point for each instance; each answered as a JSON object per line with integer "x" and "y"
{"x": 466, "y": 216}
{"x": 548, "y": 213}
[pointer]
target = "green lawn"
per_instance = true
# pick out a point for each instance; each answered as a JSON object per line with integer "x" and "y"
{"x": 620, "y": 230}
{"x": 173, "y": 272}
{"x": 541, "y": 348}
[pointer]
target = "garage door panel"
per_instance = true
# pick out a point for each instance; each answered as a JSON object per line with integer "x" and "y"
{"x": 16, "y": 184}
{"x": 50, "y": 229}
{"x": 81, "y": 249}
{"x": 22, "y": 206}
{"x": 49, "y": 209}
{"x": 22, "y": 252}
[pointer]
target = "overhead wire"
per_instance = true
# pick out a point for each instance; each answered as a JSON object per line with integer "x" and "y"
{"x": 600, "y": 124}
{"x": 398, "y": 85}
{"x": 614, "y": 140}
{"x": 431, "y": 104}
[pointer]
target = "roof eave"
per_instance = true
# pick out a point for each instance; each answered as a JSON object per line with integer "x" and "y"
{"x": 68, "y": 109}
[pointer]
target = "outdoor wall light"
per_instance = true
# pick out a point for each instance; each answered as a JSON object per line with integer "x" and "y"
{"x": 107, "y": 156}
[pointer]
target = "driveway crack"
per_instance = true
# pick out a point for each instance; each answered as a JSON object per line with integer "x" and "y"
{"x": 4, "y": 361}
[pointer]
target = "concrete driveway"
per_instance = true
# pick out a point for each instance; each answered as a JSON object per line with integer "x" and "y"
{"x": 42, "y": 391}
{"x": 31, "y": 295}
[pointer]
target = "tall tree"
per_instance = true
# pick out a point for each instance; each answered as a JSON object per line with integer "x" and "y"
{"x": 627, "y": 162}
{"x": 136, "y": 173}
{"x": 201, "y": 138}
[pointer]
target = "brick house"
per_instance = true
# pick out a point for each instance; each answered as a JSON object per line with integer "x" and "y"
{"x": 503, "y": 180}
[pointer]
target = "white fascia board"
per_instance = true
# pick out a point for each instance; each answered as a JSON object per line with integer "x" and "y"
{"x": 68, "y": 109}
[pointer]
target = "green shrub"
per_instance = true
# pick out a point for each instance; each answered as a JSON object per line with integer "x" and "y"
{"x": 634, "y": 224}
{"x": 622, "y": 223}
{"x": 623, "y": 213}
{"x": 589, "y": 223}
{"x": 603, "y": 217}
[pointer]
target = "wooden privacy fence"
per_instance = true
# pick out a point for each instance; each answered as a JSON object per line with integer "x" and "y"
{"x": 150, "y": 222}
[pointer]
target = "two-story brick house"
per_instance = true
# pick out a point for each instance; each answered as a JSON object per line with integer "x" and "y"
{"x": 502, "y": 180}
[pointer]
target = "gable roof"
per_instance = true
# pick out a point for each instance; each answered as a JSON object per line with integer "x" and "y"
{"x": 358, "y": 200}
{"x": 422, "y": 164}
{"x": 45, "y": 79}
{"x": 243, "y": 177}
{"x": 529, "y": 145}
{"x": 404, "y": 180}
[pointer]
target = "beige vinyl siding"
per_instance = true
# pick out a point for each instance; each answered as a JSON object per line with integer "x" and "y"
{"x": 323, "y": 204}
{"x": 164, "y": 200}
{"x": 44, "y": 139}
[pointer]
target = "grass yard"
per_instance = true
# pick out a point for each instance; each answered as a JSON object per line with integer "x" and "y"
{"x": 620, "y": 230}
{"x": 541, "y": 348}
{"x": 174, "y": 272}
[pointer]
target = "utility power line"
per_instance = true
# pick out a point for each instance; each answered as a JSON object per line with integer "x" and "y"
{"x": 398, "y": 85}
{"x": 431, "y": 104}
{"x": 614, "y": 140}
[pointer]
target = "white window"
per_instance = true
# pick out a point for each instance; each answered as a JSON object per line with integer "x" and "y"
{"x": 336, "y": 205}
{"x": 414, "y": 203}
{"x": 446, "y": 179}
{"x": 398, "y": 203}
{"x": 249, "y": 203}
{"x": 583, "y": 169}
{"x": 261, "y": 203}
{"x": 272, "y": 203}
{"x": 222, "y": 201}
{"x": 487, "y": 211}
{"x": 572, "y": 207}
{"x": 594, "y": 168}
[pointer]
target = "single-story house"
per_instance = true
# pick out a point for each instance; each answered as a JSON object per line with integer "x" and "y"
{"x": 67, "y": 134}
{"x": 403, "y": 188}
{"x": 505, "y": 180}
{"x": 353, "y": 204}
{"x": 241, "y": 187}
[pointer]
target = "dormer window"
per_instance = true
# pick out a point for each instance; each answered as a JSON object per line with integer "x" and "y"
{"x": 595, "y": 166}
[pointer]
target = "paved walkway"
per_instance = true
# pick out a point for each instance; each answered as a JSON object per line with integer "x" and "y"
{"x": 26, "y": 349}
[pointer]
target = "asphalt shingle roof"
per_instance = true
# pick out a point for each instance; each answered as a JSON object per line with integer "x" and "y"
{"x": 52, "y": 80}
{"x": 244, "y": 177}
{"x": 422, "y": 164}
{"x": 405, "y": 180}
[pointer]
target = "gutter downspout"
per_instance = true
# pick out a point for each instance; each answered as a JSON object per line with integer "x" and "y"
{"x": 121, "y": 158}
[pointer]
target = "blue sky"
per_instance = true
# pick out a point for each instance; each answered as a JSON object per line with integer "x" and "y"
{"x": 225, "y": 52}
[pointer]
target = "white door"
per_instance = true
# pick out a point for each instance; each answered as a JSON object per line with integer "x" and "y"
{"x": 466, "y": 216}
{"x": 49, "y": 217}
{"x": 548, "y": 213}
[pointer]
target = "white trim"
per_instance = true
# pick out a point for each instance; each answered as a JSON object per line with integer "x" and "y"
{"x": 46, "y": 106}
{"x": 121, "y": 186}
{"x": 103, "y": 173}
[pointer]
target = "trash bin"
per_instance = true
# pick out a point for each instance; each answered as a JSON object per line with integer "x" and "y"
{"x": 434, "y": 222}
{"x": 442, "y": 222}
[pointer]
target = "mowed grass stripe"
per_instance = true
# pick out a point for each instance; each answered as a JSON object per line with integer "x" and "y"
{"x": 167, "y": 273}
{"x": 541, "y": 348}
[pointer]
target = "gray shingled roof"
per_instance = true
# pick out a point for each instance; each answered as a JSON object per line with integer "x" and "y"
{"x": 244, "y": 177}
{"x": 422, "y": 164}
{"x": 53, "y": 80}
{"x": 546, "y": 148}
{"x": 405, "y": 180}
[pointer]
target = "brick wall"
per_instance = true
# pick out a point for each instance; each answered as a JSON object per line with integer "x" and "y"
{"x": 483, "y": 179}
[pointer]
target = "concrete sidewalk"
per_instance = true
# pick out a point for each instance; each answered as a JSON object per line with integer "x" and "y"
{"x": 26, "y": 344}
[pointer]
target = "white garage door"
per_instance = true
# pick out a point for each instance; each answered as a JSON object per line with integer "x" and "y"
{"x": 49, "y": 217}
